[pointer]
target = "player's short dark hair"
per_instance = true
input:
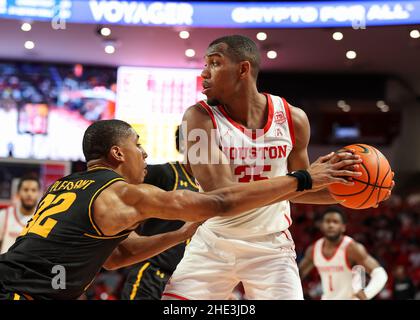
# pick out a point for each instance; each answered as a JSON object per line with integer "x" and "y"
{"x": 28, "y": 177}
{"x": 101, "y": 135}
{"x": 335, "y": 209}
{"x": 241, "y": 48}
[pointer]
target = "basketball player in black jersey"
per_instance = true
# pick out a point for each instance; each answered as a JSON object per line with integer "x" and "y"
{"x": 84, "y": 221}
{"x": 147, "y": 280}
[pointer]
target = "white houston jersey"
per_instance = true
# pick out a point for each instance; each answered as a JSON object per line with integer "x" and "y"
{"x": 11, "y": 224}
{"x": 336, "y": 272}
{"x": 255, "y": 155}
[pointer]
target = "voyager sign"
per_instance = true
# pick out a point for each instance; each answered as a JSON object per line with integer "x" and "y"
{"x": 218, "y": 14}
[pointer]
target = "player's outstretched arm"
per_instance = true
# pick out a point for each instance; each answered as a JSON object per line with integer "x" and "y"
{"x": 152, "y": 202}
{"x": 306, "y": 264}
{"x": 357, "y": 255}
{"x": 139, "y": 248}
{"x": 212, "y": 169}
{"x": 122, "y": 206}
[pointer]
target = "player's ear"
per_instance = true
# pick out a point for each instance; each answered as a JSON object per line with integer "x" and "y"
{"x": 116, "y": 154}
{"x": 244, "y": 69}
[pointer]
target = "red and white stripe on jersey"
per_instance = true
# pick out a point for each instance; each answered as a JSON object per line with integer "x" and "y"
{"x": 289, "y": 120}
{"x": 208, "y": 109}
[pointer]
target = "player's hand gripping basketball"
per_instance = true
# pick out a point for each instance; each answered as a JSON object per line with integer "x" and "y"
{"x": 374, "y": 186}
{"x": 334, "y": 168}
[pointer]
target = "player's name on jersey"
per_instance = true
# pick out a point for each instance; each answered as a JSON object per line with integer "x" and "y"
{"x": 70, "y": 185}
{"x": 272, "y": 152}
{"x": 331, "y": 268}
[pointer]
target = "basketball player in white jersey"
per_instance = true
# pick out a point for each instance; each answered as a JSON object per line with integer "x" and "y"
{"x": 257, "y": 136}
{"x": 335, "y": 255}
{"x": 15, "y": 217}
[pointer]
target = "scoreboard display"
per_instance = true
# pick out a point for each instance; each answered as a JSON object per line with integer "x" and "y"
{"x": 153, "y": 101}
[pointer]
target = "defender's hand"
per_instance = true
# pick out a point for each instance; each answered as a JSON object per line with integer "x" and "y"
{"x": 189, "y": 228}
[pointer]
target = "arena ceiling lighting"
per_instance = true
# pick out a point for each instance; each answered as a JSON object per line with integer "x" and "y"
{"x": 351, "y": 55}
{"x": 261, "y": 36}
{"x": 184, "y": 34}
{"x": 26, "y": 27}
{"x": 382, "y": 106}
{"x": 341, "y": 103}
{"x": 29, "y": 45}
{"x": 415, "y": 34}
{"x": 325, "y": 14}
{"x": 190, "y": 53}
{"x": 109, "y": 49}
{"x": 385, "y": 108}
{"x": 271, "y": 54}
{"x": 346, "y": 108}
{"x": 338, "y": 36}
{"x": 105, "y": 31}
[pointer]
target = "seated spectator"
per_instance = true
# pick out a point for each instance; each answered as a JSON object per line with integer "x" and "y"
{"x": 403, "y": 288}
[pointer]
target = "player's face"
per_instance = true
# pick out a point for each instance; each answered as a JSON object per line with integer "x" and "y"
{"x": 332, "y": 226}
{"x": 29, "y": 194}
{"x": 220, "y": 75}
{"x": 134, "y": 168}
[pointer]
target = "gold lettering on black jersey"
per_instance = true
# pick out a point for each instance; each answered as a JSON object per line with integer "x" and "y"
{"x": 70, "y": 185}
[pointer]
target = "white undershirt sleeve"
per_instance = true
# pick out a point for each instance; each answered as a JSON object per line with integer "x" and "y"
{"x": 378, "y": 278}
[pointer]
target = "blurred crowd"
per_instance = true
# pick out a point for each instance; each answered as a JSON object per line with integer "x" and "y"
{"x": 54, "y": 85}
{"x": 390, "y": 233}
{"x": 40, "y": 105}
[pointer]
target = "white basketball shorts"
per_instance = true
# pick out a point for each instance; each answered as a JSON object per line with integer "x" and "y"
{"x": 213, "y": 265}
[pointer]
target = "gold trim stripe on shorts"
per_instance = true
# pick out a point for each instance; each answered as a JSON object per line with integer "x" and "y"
{"x": 137, "y": 283}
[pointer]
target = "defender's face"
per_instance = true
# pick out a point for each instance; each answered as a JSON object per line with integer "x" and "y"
{"x": 220, "y": 75}
{"x": 332, "y": 226}
{"x": 29, "y": 194}
{"x": 134, "y": 159}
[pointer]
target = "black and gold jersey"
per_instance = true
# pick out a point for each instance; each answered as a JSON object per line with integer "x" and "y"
{"x": 169, "y": 176}
{"x": 61, "y": 248}
{"x": 147, "y": 280}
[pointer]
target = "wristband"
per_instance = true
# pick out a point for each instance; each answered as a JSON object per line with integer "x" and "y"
{"x": 304, "y": 179}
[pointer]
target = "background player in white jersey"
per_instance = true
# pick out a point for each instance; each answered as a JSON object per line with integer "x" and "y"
{"x": 335, "y": 255}
{"x": 15, "y": 217}
{"x": 258, "y": 136}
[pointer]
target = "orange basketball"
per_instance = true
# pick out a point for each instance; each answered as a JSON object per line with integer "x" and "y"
{"x": 372, "y": 186}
